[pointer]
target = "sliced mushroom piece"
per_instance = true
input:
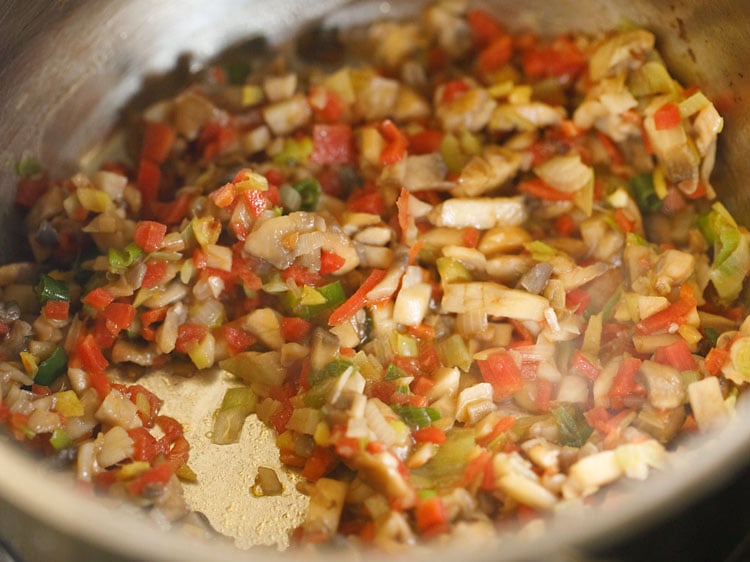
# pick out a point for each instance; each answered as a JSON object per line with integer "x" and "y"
{"x": 481, "y": 212}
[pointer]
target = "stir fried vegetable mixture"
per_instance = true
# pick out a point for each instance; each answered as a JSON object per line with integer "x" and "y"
{"x": 469, "y": 278}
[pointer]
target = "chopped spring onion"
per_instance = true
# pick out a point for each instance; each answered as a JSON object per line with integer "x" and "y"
{"x": 310, "y": 191}
{"x": 417, "y": 416}
{"x": 642, "y": 189}
{"x": 50, "y": 289}
{"x": 332, "y": 369}
{"x": 52, "y": 367}
{"x": 120, "y": 259}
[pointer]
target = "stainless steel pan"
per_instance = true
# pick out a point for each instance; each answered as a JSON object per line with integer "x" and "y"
{"x": 66, "y": 71}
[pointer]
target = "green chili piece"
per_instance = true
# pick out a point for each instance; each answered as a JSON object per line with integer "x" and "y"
{"x": 49, "y": 289}
{"x": 642, "y": 188}
{"x": 52, "y": 367}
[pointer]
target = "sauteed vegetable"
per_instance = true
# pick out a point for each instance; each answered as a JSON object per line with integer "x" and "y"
{"x": 470, "y": 277}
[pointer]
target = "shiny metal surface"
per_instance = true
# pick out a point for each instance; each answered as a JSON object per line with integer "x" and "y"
{"x": 67, "y": 70}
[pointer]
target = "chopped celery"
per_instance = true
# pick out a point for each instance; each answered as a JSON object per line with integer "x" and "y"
{"x": 52, "y": 367}
{"x": 449, "y": 463}
{"x": 574, "y": 431}
{"x": 238, "y": 403}
{"x": 454, "y": 353}
{"x": 256, "y": 367}
{"x": 60, "y": 439}
{"x": 452, "y": 271}
{"x": 403, "y": 344}
{"x": 239, "y": 397}
{"x": 318, "y": 394}
{"x": 651, "y": 78}
{"x": 416, "y": 416}
{"x": 49, "y": 289}
{"x": 294, "y": 152}
{"x": 310, "y": 191}
{"x": 28, "y": 167}
{"x": 693, "y": 104}
{"x": 333, "y": 293}
{"x": 644, "y": 193}
{"x": 539, "y": 250}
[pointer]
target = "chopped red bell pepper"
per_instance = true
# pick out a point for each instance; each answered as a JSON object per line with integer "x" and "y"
{"x": 189, "y": 335}
{"x": 501, "y": 371}
{"x": 91, "y": 357}
{"x": 155, "y": 273}
{"x": 675, "y": 313}
{"x": 678, "y": 355}
{"x": 395, "y": 150}
{"x": 295, "y": 329}
{"x": 667, "y": 117}
{"x": 430, "y": 516}
{"x": 98, "y": 298}
{"x": 332, "y": 144}
{"x": 358, "y": 300}
{"x": 149, "y": 235}
{"x": 56, "y": 310}
{"x": 330, "y": 262}
{"x": 429, "y": 435}
{"x": 624, "y": 381}
{"x": 158, "y": 139}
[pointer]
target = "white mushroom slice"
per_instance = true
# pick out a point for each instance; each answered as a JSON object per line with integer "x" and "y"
{"x": 285, "y": 116}
{"x": 486, "y": 172}
{"x": 503, "y": 239}
{"x": 494, "y": 299}
{"x": 678, "y": 160}
{"x": 619, "y": 52}
{"x": 664, "y": 384}
{"x": 374, "y": 236}
{"x": 191, "y": 112}
{"x": 412, "y": 304}
{"x": 425, "y": 171}
{"x": 482, "y": 213}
